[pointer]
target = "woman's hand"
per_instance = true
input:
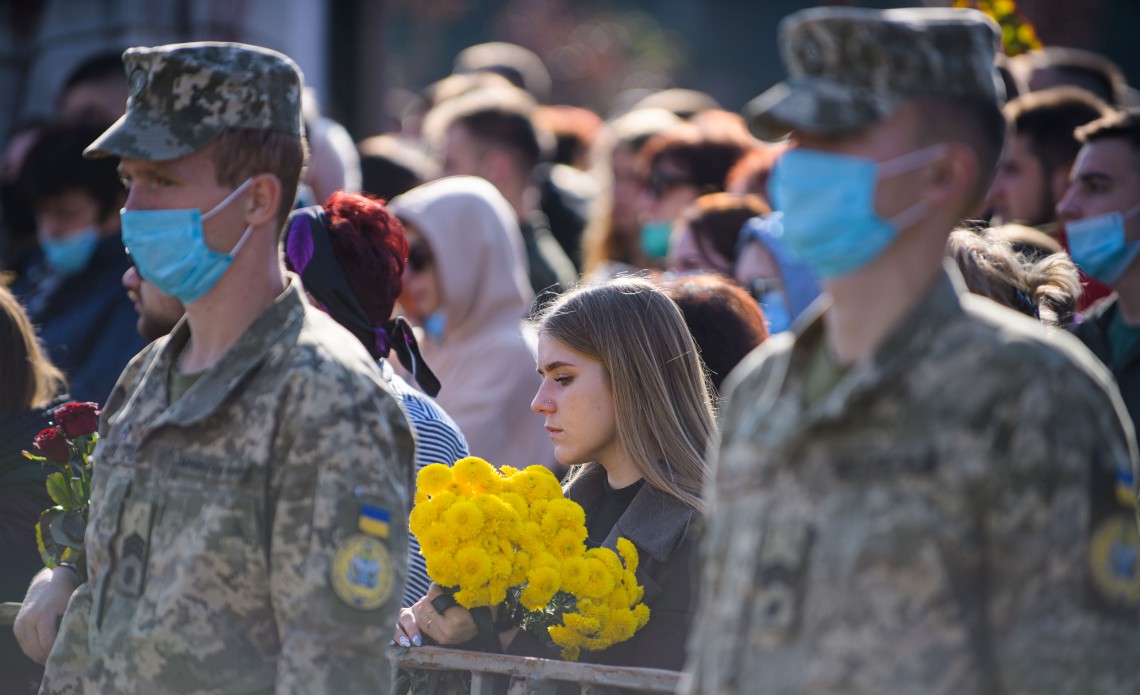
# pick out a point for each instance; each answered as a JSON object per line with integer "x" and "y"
{"x": 454, "y": 626}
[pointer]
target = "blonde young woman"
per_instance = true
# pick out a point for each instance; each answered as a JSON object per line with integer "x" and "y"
{"x": 626, "y": 404}
{"x": 29, "y": 385}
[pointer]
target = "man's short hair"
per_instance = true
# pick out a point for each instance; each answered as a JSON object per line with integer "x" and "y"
{"x": 1048, "y": 120}
{"x": 1123, "y": 124}
{"x": 500, "y": 118}
{"x": 1076, "y": 67}
{"x": 239, "y": 153}
{"x": 976, "y": 123}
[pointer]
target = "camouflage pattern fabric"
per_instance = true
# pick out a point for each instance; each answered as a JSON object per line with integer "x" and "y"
{"x": 850, "y": 67}
{"x": 218, "y": 522}
{"x": 924, "y": 526}
{"x": 181, "y": 96}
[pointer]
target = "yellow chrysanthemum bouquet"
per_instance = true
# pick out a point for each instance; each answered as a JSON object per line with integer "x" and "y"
{"x": 510, "y": 536}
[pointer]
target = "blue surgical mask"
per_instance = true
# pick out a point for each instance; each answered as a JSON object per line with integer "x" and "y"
{"x": 170, "y": 250}
{"x": 435, "y": 324}
{"x": 775, "y": 306}
{"x": 72, "y": 252}
{"x": 828, "y": 201}
{"x": 1098, "y": 246}
{"x": 655, "y": 238}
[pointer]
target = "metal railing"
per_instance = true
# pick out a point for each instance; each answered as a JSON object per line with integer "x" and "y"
{"x": 530, "y": 676}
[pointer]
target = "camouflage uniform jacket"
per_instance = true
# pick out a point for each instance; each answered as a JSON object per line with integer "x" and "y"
{"x": 217, "y": 522}
{"x": 924, "y": 526}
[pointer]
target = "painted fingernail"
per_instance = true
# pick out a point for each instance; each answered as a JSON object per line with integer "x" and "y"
{"x": 404, "y": 642}
{"x": 417, "y": 640}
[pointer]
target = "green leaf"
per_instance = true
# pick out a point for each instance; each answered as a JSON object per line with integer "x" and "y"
{"x": 33, "y": 457}
{"x": 59, "y": 489}
{"x": 50, "y": 551}
{"x": 81, "y": 492}
{"x": 67, "y": 529}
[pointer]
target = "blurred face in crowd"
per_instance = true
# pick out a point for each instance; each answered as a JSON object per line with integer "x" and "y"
{"x": 667, "y": 192}
{"x": 626, "y": 189}
{"x": 462, "y": 154}
{"x": 576, "y": 398}
{"x": 157, "y": 312}
{"x": 687, "y": 256}
{"x": 1104, "y": 179}
{"x": 99, "y": 100}
{"x": 756, "y": 270}
{"x": 71, "y": 212}
{"x": 421, "y": 295}
{"x": 1023, "y": 190}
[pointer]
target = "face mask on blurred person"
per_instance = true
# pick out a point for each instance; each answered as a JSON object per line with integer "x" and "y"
{"x": 1097, "y": 244}
{"x": 828, "y": 201}
{"x": 655, "y": 238}
{"x": 775, "y": 306}
{"x": 169, "y": 248}
{"x": 71, "y": 253}
{"x": 435, "y": 325}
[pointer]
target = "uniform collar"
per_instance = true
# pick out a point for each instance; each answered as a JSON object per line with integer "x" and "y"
{"x": 904, "y": 345}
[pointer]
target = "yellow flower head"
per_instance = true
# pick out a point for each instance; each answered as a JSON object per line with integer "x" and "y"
{"x": 544, "y": 559}
{"x": 433, "y": 479}
{"x": 474, "y": 566}
{"x": 517, "y": 502}
{"x": 640, "y": 615}
{"x": 628, "y": 552}
{"x": 535, "y": 483}
{"x": 562, "y": 513}
{"x": 443, "y": 570}
{"x": 619, "y": 599}
{"x": 599, "y": 582}
{"x": 566, "y": 544}
{"x": 476, "y": 475}
{"x": 542, "y": 584}
{"x": 609, "y": 558}
{"x": 436, "y": 540}
{"x": 575, "y": 574}
{"x": 464, "y": 519}
{"x": 520, "y": 567}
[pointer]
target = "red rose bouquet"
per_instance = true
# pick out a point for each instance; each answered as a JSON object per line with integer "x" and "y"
{"x": 67, "y": 446}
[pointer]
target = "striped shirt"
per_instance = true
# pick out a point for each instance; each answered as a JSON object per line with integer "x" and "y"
{"x": 438, "y": 440}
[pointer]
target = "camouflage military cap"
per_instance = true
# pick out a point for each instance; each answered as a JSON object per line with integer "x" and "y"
{"x": 850, "y": 67}
{"x": 183, "y": 95}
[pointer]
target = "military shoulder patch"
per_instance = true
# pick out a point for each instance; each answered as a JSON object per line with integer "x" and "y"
{"x": 1114, "y": 558}
{"x": 361, "y": 572}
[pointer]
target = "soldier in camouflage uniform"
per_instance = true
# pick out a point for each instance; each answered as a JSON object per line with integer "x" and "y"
{"x": 247, "y": 527}
{"x": 905, "y": 484}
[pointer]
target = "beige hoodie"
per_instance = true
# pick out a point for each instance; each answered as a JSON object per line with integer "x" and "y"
{"x": 485, "y": 361}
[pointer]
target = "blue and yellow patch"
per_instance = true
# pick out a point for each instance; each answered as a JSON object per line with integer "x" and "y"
{"x": 362, "y": 572}
{"x": 1114, "y": 559}
{"x": 374, "y": 521}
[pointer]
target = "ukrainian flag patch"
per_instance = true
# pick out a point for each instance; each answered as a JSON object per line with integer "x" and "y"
{"x": 374, "y": 521}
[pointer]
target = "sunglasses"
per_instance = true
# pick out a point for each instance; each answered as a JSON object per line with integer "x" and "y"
{"x": 661, "y": 183}
{"x": 419, "y": 256}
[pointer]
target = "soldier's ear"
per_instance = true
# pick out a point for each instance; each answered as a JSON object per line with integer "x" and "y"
{"x": 950, "y": 179}
{"x": 263, "y": 199}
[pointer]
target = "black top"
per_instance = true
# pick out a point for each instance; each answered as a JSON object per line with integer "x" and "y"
{"x": 601, "y": 519}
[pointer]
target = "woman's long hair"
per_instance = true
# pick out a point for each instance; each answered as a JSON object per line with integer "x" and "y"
{"x": 30, "y": 379}
{"x": 661, "y": 396}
